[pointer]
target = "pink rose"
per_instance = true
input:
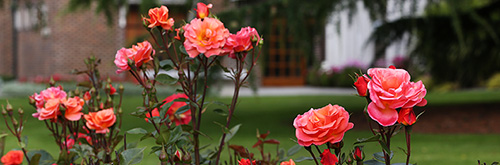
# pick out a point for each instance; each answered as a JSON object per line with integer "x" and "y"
{"x": 100, "y": 121}
{"x": 202, "y": 10}
{"x": 207, "y": 36}
{"x": 159, "y": 17}
{"x": 73, "y": 108}
{"x": 391, "y": 89}
{"x": 241, "y": 41}
{"x": 140, "y": 54}
{"x": 319, "y": 126}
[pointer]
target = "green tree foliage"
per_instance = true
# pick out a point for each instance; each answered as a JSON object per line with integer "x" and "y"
{"x": 458, "y": 42}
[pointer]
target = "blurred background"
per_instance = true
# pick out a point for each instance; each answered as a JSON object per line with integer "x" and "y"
{"x": 311, "y": 51}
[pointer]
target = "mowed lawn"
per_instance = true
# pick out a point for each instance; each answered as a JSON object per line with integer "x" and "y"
{"x": 276, "y": 114}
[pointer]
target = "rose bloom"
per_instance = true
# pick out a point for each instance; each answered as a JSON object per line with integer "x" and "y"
{"x": 246, "y": 162}
{"x": 140, "y": 54}
{"x": 47, "y": 94}
{"x": 207, "y": 36}
{"x": 73, "y": 108}
{"x": 391, "y": 89}
{"x": 327, "y": 158}
{"x": 101, "y": 120}
{"x": 361, "y": 85}
{"x": 50, "y": 111}
{"x": 358, "y": 154}
{"x": 202, "y": 10}
{"x": 319, "y": 126}
{"x": 183, "y": 118}
{"x": 14, "y": 157}
{"x": 241, "y": 41}
{"x": 159, "y": 17}
{"x": 407, "y": 116}
{"x": 290, "y": 162}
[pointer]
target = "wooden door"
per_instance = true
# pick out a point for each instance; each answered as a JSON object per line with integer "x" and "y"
{"x": 284, "y": 65}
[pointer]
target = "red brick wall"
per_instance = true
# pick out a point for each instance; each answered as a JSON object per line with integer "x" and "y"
{"x": 72, "y": 38}
{"x": 5, "y": 40}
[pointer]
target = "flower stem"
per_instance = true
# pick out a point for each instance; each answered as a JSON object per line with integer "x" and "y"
{"x": 312, "y": 154}
{"x": 408, "y": 144}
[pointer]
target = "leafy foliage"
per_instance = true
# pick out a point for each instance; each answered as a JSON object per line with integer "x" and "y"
{"x": 457, "y": 46}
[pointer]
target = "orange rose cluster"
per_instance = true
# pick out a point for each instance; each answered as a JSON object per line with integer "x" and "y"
{"x": 53, "y": 103}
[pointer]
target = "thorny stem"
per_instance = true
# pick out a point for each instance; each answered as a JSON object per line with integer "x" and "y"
{"x": 17, "y": 134}
{"x": 312, "y": 154}
{"x": 408, "y": 146}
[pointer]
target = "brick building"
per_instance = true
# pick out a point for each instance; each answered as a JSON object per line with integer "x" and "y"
{"x": 41, "y": 39}
{"x": 47, "y": 41}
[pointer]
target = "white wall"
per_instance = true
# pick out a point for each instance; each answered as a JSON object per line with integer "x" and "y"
{"x": 350, "y": 45}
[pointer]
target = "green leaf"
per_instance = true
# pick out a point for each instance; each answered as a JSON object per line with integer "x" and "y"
{"x": 220, "y": 112}
{"x": 181, "y": 100}
{"x": 132, "y": 156}
{"x": 83, "y": 150}
{"x": 232, "y": 132}
{"x": 302, "y": 158}
{"x": 137, "y": 131}
{"x": 3, "y": 135}
{"x": 380, "y": 156}
{"x": 373, "y": 162}
{"x": 45, "y": 157}
{"x": 292, "y": 151}
{"x": 35, "y": 160}
{"x": 182, "y": 109}
{"x": 366, "y": 140}
{"x": 166, "y": 65}
{"x": 166, "y": 79}
{"x": 400, "y": 164}
{"x": 182, "y": 49}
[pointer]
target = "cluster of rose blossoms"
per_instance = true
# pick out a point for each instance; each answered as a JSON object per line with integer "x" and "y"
{"x": 53, "y": 101}
{"x": 390, "y": 89}
{"x": 203, "y": 35}
{"x": 387, "y": 89}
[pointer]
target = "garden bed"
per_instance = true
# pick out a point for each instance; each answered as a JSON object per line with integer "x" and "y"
{"x": 469, "y": 119}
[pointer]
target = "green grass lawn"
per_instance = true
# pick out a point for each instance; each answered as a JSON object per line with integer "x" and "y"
{"x": 276, "y": 114}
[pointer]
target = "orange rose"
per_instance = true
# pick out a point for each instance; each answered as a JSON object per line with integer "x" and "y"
{"x": 319, "y": 126}
{"x": 73, "y": 108}
{"x": 206, "y": 36}
{"x": 14, "y": 157}
{"x": 290, "y": 162}
{"x": 101, "y": 120}
{"x": 159, "y": 17}
{"x": 50, "y": 111}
